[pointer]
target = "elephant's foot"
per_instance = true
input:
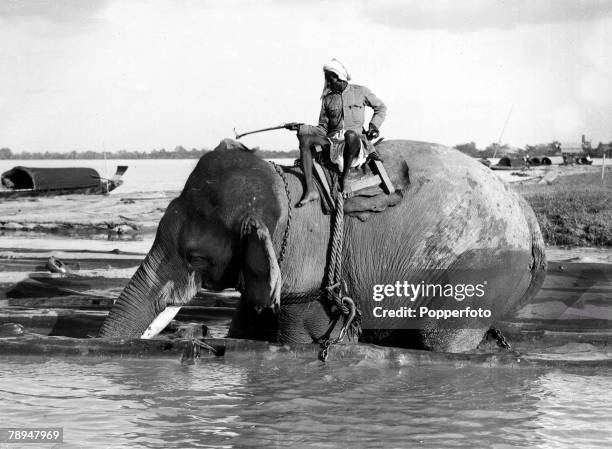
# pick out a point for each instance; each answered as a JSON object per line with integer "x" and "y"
{"x": 309, "y": 196}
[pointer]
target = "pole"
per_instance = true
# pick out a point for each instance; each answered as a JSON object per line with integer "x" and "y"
{"x": 503, "y": 130}
{"x": 105, "y": 163}
{"x": 293, "y": 126}
{"x": 238, "y": 136}
{"x": 603, "y": 166}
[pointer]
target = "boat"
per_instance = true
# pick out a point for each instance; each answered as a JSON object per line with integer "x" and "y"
{"x": 506, "y": 163}
{"x": 35, "y": 181}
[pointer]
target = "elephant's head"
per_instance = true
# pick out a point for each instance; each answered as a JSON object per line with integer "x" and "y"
{"x": 217, "y": 234}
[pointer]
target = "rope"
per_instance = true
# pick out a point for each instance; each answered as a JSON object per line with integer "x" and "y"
{"x": 336, "y": 287}
{"x": 192, "y": 350}
{"x": 334, "y": 268}
{"x": 283, "y": 249}
{"x": 499, "y": 337}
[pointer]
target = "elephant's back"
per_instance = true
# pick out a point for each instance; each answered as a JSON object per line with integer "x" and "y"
{"x": 457, "y": 221}
{"x": 453, "y": 203}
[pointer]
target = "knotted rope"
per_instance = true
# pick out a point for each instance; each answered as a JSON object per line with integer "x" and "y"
{"x": 336, "y": 287}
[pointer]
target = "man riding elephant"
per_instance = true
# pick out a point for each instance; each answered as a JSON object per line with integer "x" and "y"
{"x": 341, "y": 126}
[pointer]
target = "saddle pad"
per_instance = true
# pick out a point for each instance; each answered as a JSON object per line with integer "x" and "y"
{"x": 371, "y": 199}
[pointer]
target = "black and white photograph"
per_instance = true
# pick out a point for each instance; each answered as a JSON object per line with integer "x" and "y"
{"x": 305, "y": 224}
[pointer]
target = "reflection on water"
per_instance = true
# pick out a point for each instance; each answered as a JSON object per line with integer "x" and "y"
{"x": 272, "y": 400}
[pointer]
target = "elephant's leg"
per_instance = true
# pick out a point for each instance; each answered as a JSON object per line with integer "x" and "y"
{"x": 250, "y": 324}
{"x": 308, "y": 323}
{"x": 451, "y": 340}
{"x": 430, "y": 338}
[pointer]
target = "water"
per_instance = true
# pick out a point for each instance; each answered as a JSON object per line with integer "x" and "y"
{"x": 275, "y": 400}
{"x": 143, "y": 175}
{"x": 151, "y": 175}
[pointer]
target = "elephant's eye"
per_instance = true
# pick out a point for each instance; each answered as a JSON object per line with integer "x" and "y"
{"x": 199, "y": 261}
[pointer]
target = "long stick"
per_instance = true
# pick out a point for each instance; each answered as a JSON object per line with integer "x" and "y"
{"x": 238, "y": 136}
{"x": 502, "y": 131}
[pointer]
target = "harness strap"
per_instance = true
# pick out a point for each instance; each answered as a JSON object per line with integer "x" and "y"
{"x": 283, "y": 249}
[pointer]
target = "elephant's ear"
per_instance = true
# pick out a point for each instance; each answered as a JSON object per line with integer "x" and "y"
{"x": 261, "y": 276}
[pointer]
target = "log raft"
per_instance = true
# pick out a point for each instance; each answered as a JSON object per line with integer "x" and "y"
{"x": 57, "y": 314}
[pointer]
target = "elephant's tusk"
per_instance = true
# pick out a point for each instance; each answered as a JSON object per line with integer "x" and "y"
{"x": 160, "y": 322}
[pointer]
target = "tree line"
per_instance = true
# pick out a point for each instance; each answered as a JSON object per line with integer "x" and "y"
{"x": 178, "y": 153}
{"x": 494, "y": 149}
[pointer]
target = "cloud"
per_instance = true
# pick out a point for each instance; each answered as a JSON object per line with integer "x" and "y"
{"x": 53, "y": 10}
{"x": 474, "y": 15}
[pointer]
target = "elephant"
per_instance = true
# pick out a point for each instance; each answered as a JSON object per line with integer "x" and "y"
{"x": 236, "y": 215}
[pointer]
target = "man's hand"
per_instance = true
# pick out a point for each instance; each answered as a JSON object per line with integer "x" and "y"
{"x": 293, "y": 126}
{"x": 373, "y": 132}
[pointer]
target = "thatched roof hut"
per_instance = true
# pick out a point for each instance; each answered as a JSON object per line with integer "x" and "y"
{"x": 505, "y": 162}
{"x": 553, "y": 160}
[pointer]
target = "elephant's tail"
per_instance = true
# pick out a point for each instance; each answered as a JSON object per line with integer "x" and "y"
{"x": 538, "y": 263}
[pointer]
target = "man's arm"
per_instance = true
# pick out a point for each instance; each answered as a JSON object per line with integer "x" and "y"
{"x": 380, "y": 110}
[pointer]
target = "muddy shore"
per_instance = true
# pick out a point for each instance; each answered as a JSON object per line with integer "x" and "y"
{"x": 86, "y": 215}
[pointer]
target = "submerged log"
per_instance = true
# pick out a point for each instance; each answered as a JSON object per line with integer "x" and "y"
{"x": 236, "y": 350}
{"x": 64, "y": 302}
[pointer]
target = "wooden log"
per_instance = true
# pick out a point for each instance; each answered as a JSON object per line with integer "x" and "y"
{"x": 214, "y": 302}
{"x": 64, "y": 302}
{"x": 80, "y": 282}
{"x": 205, "y": 313}
{"x": 355, "y": 185}
{"x": 177, "y": 329}
{"x": 320, "y": 174}
{"x": 30, "y": 288}
{"x": 166, "y": 348}
{"x": 32, "y": 264}
{"x": 64, "y": 322}
{"x": 379, "y": 168}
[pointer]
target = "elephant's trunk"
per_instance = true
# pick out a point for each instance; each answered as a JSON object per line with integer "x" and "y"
{"x": 156, "y": 284}
{"x": 135, "y": 309}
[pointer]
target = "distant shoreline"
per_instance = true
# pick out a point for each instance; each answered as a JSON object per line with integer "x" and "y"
{"x": 179, "y": 153}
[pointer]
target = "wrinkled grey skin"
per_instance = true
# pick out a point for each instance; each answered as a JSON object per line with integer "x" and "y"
{"x": 226, "y": 228}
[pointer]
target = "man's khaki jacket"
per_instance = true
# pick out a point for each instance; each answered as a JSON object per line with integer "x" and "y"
{"x": 346, "y": 111}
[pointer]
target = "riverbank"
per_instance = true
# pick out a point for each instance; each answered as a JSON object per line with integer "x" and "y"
{"x": 112, "y": 216}
{"x": 573, "y": 205}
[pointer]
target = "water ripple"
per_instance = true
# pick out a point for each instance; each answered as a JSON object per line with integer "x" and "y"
{"x": 273, "y": 401}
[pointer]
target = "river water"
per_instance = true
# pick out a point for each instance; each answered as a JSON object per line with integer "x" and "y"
{"x": 143, "y": 175}
{"x": 147, "y": 175}
{"x": 269, "y": 400}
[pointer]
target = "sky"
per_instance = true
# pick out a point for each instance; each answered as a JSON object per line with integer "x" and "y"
{"x": 142, "y": 75}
